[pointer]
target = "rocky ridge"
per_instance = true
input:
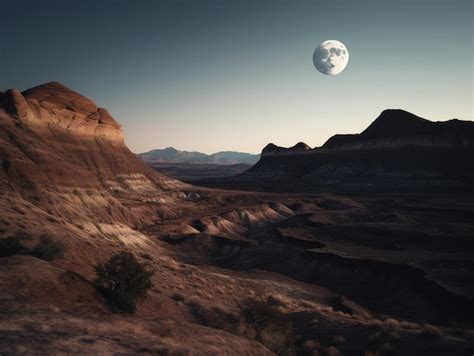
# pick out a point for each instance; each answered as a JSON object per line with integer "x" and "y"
{"x": 397, "y": 149}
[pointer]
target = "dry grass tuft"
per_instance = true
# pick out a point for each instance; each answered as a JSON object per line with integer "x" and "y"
{"x": 278, "y": 300}
{"x": 311, "y": 346}
{"x": 266, "y": 324}
{"x": 410, "y": 325}
{"x": 376, "y": 323}
{"x": 194, "y": 301}
{"x": 338, "y": 340}
{"x": 257, "y": 320}
{"x": 392, "y": 323}
{"x": 432, "y": 330}
{"x": 177, "y": 296}
{"x": 48, "y": 249}
{"x": 11, "y": 246}
{"x": 332, "y": 351}
{"x": 308, "y": 304}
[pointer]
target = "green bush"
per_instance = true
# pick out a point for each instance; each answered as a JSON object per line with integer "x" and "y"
{"x": 11, "y": 246}
{"x": 48, "y": 249}
{"x": 123, "y": 281}
{"x": 269, "y": 326}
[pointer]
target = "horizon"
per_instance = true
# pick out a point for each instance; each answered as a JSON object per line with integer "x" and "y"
{"x": 312, "y": 147}
{"x": 259, "y": 153}
{"x": 208, "y": 77}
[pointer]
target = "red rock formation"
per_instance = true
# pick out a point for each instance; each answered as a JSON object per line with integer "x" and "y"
{"x": 51, "y": 136}
{"x": 398, "y": 148}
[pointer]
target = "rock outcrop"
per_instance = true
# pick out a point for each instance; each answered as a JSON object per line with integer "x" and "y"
{"x": 272, "y": 149}
{"x": 55, "y": 140}
{"x": 53, "y": 103}
{"x": 398, "y": 148}
{"x": 399, "y": 128}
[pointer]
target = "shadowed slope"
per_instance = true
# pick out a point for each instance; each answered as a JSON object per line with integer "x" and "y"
{"x": 397, "y": 149}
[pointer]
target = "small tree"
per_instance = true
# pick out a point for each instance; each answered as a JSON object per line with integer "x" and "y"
{"x": 123, "y": 281}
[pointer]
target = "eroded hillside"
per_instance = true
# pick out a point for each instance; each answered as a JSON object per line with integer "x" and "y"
{"x": 342, "y": 275}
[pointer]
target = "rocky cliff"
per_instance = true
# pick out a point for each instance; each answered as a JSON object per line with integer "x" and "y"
{"x": 55, "y": 142}
{"x": 399, "y": 128}
{"x": 397, "y": 149}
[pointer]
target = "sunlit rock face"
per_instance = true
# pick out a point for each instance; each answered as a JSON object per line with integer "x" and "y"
{"x": 331, "y": 57}
{"x": 54, "y": 104}
{"x": 53, "y": 135}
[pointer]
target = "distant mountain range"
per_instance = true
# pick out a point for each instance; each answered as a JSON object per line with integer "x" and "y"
{"x": 172, "y": 155}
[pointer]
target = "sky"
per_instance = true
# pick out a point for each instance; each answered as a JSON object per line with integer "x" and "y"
{"x": 235, "y": 75}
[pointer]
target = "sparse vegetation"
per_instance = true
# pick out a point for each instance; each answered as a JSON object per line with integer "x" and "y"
{"x": 409, "y": 325}
{"x": 177, "y": 296}
{"x": 277, "y": 300}
{"x": 11, "y": 246}
{"x": 216, "y": 318}
{"x": 392, "y": 323}
{"x": 383, "y": 342}
{"x": 266, "y": 324}
{"x": 123, "y": 281}
{"x": 257, "y": 320}
{"x": 332, "y": 351}
{"x": 48, "y": 249}
{"x": 311, "y": 346}
{"x": 432, "y": 330}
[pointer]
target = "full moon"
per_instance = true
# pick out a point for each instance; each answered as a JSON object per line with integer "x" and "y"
{"x": 331, "y": 57}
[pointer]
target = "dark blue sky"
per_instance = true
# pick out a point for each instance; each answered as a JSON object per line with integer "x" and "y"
{"x": 235, "y": 75}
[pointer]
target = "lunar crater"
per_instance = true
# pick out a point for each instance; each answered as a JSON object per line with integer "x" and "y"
{"x": 331, "y": 57}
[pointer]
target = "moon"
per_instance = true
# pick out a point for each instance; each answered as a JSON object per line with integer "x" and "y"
{"x": 331, "y": 57}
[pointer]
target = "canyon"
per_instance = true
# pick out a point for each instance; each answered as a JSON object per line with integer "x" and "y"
{"x": 355, "y": 269}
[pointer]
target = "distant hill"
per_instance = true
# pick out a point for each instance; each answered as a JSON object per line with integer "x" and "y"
{"x": 399, "y": 149}
{"x": 172, "y": 155}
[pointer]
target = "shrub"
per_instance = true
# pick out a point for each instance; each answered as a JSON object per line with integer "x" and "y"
{"x": 214, "y": 317}
{"x": 409, "y": 325}
{"x": 432, "y": 330}
{"x": 277, "y": 300}
{"x": 266, "y": 324}
{"x": 392, "y": 323}
{"x": 48, "y": 249}
{"x": 123, "y": 281}
{"x": 338, "y": 340}
{"x": 177, "y": 296}
{"x": 332, "y": 351}
{"x": 260, "y": 321}
{"x": 10, "y": 246}
{"x": 311, "y": 345}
